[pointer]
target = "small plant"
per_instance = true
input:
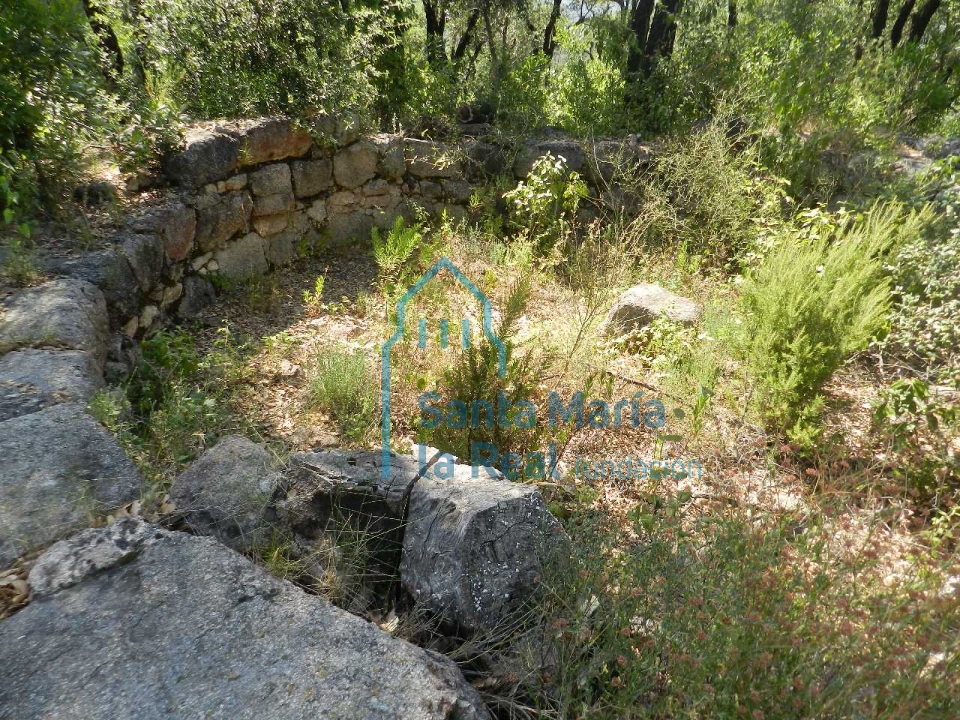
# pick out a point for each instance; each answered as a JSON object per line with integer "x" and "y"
{"x": 810, "y": 305}
{"x": 311, "y": 299}
{"x": 544, "y": 206}
{"x": 394, "y": 250}
{"x": 340, "y": 384}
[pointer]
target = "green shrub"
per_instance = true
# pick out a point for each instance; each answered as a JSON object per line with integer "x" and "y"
{"x": 339, "y": 383}
{"x": 394, "y": 250}
{"x": 810, "y": 305}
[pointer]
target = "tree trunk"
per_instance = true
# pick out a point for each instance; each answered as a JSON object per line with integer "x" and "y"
{"x": 464, "y": 43}
{"x": 896, "y": 33}
{"x": 731, "y": 14}
{"x": 436, "y": 18}
{"x": 640, "y": 14}
{"x": 663, "y": 33}
{"x": 878, "y": 19}
{"x": 921, "y": 19}
{"x": 549, "y": 33}
{"x": 108, "y": 41}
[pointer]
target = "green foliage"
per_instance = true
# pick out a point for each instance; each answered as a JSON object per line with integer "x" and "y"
{"x": 312, "y": 298}
{"x": 257, "y": 57}
{"x": 340, "y": 384}
{"x": 393, "y": 251}
{"x": 810, "y": 305}
{"x": 544, "y": 206}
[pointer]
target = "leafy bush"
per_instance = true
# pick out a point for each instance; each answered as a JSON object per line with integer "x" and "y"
{"x": 810, "y": 305}
{"x": 544, "y": 206}
{"x": 340, "y": 384}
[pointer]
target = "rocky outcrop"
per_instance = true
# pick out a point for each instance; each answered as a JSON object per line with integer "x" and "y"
{"x": 642, "y": 304}
{"x": 136, "y": 622}
{"x": 227, "y": 493}
{"x": 475, "y": 546}
{"x": 68, "y": 313}
{"x": 31, "y": 380}
{"x": 61, "y": 471}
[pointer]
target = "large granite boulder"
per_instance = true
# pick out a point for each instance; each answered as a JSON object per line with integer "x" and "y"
{"x": 268, "y": 139}
{"x": 65, "y": 313}
{"x": 31, "y": 380}
{"x": 474, "y": 547}
{"x": 642, "y": 304}
{"x": 133, "y": 622}
{"x": 61, "y": 470}
{"x": 227, "y": 492}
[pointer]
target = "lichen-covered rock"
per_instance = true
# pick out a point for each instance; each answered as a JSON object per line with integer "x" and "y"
{"x": 61, "y": 470}
{"x": 311, "y": 177}
{"x": 31, "y": 380}
{"x": 355, "y": 164}
{"x": 111, "y": 272}
{"x": 146, "y": 255}
{"x": 175, "y": 223}
{"x": 209, "y": 154}
{"x": 138, "y": 623}
{"x": 198, "y": 294}
{"x": 65, "y": 313}
{"x": 227, "y": 491}
{"x": 474, "y": 547}
{"x": 242, "y": 258}
{"x": 268, "y": 139}
{"x": 219, "y": 218}
{"x": 642, "y": 304}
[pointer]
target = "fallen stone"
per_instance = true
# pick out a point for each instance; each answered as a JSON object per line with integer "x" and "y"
{"x": 134, "y": 622}
{"x": 227, "y": 491}
{"x": 222, "y": 218}
{"x": 474, "y": 547}
{"x": 67, "y": 313}
{"x": 61, "y": 470}
{"x": 31, "y": 380}
{"x": 642, "y": 304}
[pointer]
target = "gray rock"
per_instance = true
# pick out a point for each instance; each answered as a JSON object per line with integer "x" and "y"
{"x": 198, "y": 294}
{"x": 61, "y": 470}
{"x": 145, "y": 624}
{"x": 209, "y": 154}
{"x": 311, "y": 177}
{"x": 431, "y": 190}
{"x": 268, "y": 139}
{"x": 223, "y": 218}
{"x": 243, "y": 258}
{"x": 266, "y": 225}
{"x": 68, "y": 314}
{"x": 474, "y": 548}
{"x": 344, "y": 229}
{"x": 146, "y": 256}
{"x": 569, "y": 150}
{"x": 31, "y": 380}
{"x": 280, "y": 249}
{"x": 355, "y": 164}
{"x": 227, "y": 491}
{"x": 484, "y": 160}
{"x": 642, "y": 304}
{"x": 175, "y": 223}
{"x": 111, "y": 272}
{"x": 427, "y": 159}
{"x": 393, "y": 163}
{"x": 273, "y": 205}
{"x": 457, "y": 190}
{"x": 341, "y": 129}
{"x": 271, "y": 180}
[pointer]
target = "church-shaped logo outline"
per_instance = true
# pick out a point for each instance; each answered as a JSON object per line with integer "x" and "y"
{"x": 385, "y": 371}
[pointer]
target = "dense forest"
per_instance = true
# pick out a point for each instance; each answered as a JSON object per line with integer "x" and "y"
{"x": 722, "y": 234}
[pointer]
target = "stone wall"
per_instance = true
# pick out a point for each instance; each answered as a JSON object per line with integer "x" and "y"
{"x": 247, "y": 197}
